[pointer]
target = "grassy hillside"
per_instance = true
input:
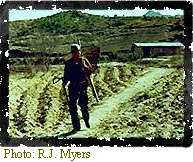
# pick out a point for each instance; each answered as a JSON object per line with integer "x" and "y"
{"x": 54, "y": 33}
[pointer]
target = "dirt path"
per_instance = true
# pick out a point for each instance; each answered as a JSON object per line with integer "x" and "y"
{"x": 105, "y": 107}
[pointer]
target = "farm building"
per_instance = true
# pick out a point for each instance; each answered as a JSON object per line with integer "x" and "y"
{"x": 157, "y": 48}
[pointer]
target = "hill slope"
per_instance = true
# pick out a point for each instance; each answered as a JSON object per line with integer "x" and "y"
{"x": 54, "y": 33}
{"x": 152, "y": 14}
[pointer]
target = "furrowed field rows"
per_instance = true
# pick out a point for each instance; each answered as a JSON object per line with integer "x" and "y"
{"x": 111, "y": 79}
{"x": 20, "y": 111}
{"x": 50, "y": 109}
{"x": 153, "y": 113}
{"x": 38, "y": 107}
{"x": 31, "y": 91}
{"x": 57, "y": 117}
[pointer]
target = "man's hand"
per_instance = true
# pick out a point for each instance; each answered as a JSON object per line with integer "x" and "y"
{"x": 65, "y": 84}
{"x": 56, "y": 79}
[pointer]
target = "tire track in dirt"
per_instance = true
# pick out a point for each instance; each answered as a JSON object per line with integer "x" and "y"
{"x": 105, "y": 107}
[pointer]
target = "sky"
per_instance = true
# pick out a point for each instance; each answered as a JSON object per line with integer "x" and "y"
{"x": 34, "y": 14}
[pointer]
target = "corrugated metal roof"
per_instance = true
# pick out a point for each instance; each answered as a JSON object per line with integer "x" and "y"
{"x": 160, "y": 44}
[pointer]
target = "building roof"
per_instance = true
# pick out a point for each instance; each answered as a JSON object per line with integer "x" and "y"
{"x": 160, "y": 44}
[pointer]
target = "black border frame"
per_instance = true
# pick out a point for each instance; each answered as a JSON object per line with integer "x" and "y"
{"x": 4, "y": 73}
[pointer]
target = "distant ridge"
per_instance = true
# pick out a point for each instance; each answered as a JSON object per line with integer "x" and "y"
{"x": 110, "y": 33}
{"x": 152, "y": 14}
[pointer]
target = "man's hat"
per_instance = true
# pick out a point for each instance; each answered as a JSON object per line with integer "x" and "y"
{"x": 75, "y": 47}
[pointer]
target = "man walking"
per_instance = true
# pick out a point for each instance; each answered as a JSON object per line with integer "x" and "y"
{"x": 76, "y": 71}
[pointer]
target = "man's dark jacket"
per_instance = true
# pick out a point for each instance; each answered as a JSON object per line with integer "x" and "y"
{"x": 74, "y": 72}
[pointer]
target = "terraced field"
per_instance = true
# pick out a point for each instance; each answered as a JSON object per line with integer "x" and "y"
{"x": 38, "y": 107}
